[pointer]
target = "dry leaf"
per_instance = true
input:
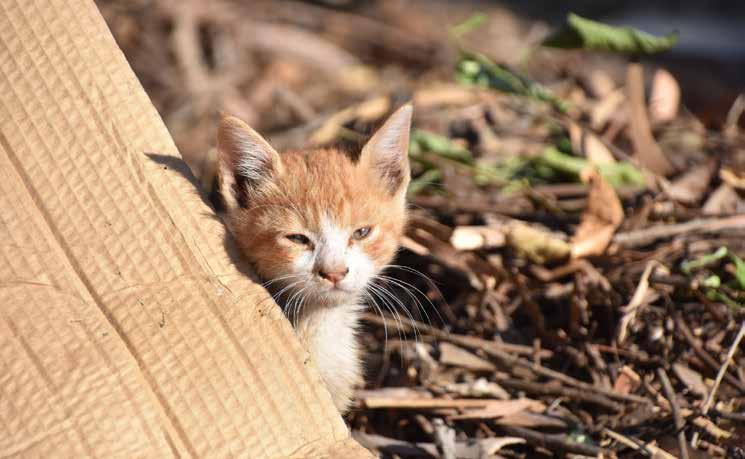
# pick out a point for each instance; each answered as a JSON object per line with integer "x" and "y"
{"x": 369, "y": 110}
{"x": 692, "y": 379}
{"x": 733, "y": 179}
{"x": 453, "y": 355}
{"x": 690, "y": 187}
{"x": 607, "y": 108}
{"x": 664, "y": 98}
{"x": 641, "y": 298}
{"x": 600, "y": 219}
{"x": 646, "y": 149}
{"x": 491, "y": 446}
{"x": 627, "y": 382}
{"x": 724, "y": 200}
{"x": 600, "y": 83}
{"x": 589, "y": 145}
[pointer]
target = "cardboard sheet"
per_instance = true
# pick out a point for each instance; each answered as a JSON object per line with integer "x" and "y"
{"x": 126, "y": 328}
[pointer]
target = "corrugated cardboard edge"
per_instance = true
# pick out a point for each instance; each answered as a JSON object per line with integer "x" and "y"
{"x": 126, "y": 330}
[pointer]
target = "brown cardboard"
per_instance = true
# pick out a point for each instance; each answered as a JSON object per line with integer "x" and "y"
{"x": 126, "y": 330}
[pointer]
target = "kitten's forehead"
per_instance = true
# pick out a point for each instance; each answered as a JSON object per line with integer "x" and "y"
{"x": 326, "y": 189}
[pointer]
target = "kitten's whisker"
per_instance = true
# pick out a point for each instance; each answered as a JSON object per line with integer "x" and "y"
{"x": 289, "y": 306}
{"x": 367, "y": 296}
{"x": 396, "y": 317}
{"x": 264, "y": 290}
{"x": 406, "y": 286}
{"x": 277, "y": 295}
{"x": 430, "y": 283}
{"x": 412, "y": 323}
{"x": 298, "y": 304}
{"x": 302, "y": 301}
{"x": 280, "y": 278}
{"x": 399, "y": 303}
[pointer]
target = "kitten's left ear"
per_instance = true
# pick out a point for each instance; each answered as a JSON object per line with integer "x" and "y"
{"x": 387, "y": 151}
{"x": 247, "y": 162}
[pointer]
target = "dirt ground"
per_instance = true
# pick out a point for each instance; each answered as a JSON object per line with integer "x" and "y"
{"x": 572, "y": 280}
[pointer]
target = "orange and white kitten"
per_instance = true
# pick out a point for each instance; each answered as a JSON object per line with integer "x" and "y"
{"x": 317, "y": 226}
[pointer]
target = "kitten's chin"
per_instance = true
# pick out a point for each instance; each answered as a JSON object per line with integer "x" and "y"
{"x": 337, "y": 297}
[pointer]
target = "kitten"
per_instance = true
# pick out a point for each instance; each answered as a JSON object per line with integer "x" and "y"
{"x": 318, "y": 225}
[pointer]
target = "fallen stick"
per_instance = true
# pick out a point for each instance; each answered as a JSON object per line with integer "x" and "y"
{"x": 637, "y": 445}
{"x": 554, "y": 443}
{"x": 374, "y": 403}
{"x": 679, "y": 422}
{"x": 636, "y": 303}
{"x": 485, "y": 447}
{"x": 646, "y": 236}
{"x": 568, "y": 392}
{"x": 720, "y": 374}
{"x": 703, "y": 355}
{"x": 470, "y": 342}
{"x": 500, "y": 352}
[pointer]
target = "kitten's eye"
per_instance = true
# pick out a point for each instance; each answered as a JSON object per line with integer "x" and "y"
{"x": 361, "y": 233}
{"x": 299, "y": 239}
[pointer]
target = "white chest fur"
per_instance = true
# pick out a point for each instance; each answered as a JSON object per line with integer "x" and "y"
{"x": 330, "y": 335}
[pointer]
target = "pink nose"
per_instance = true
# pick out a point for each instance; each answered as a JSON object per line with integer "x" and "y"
{"x": 334, "y": 276}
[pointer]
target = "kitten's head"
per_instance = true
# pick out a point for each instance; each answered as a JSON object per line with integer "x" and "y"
{"x": 318, "y": 223}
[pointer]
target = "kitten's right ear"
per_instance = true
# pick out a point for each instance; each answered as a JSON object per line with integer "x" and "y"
{"x": 246, "y": 162}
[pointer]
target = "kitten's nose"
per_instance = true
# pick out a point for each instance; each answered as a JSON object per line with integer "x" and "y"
{"x": 333, "y": 276}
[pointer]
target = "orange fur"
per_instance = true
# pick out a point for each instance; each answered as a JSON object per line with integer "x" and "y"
{"x": 317, "y": 183}
{"x": 324, "y": 195}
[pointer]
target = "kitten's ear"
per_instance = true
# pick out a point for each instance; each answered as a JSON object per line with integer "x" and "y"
{"x": 247, "y": 162}
{"x": 387, "y": 151}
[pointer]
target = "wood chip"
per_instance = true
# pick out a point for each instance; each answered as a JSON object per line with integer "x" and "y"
{"x": 477, "y": 237}
{"x": 536, "y": 244}
{"x": 450, "y": 354}
{"x": 501, "y": 408}
{"x": 478, "y": 388}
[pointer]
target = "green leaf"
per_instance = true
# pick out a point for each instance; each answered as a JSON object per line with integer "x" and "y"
{"x": 739, "y": 270}
{"x": 423, "y": 141}
{"x": 478, "y": 70}
{"x": 469, "y": 25}
{"x": 579, "y": 32}
{"x": 716, "y": 295}
{"x": 713, "y": 281}
{"x": 703, "y": 261}
{"x": 425, "y": 180}
{"x": 617, "y": 174}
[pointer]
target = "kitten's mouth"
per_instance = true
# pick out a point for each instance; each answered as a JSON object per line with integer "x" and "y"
{"x": 338, "y": 289}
